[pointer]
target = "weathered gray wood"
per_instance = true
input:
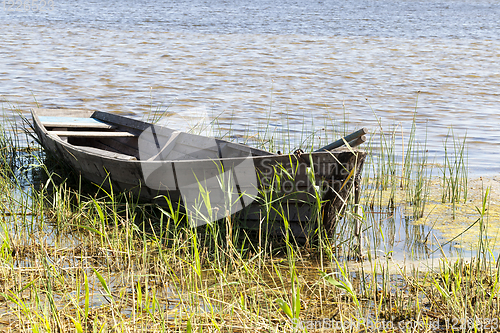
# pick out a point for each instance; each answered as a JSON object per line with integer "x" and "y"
{"x": 105, "y": 153}
{"x": 88, "y": 134}
{"x": 73, "y": 122}
{"x": 347, "y": 138}
{"x": 357, "y": 142}
{"x": 63, "y": 112}
{"x": 111, "y": 159}
{"x": 121, "y": 121}
{"x": 127, "y": 145}
{"x": 157, "y": 136}
{"x": 231, "y": 149}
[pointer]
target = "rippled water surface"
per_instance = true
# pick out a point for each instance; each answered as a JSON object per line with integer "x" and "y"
{"x": 250, "y": 61}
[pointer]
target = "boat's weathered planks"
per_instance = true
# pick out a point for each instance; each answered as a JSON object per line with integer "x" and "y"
{"x": 88, "y": 134}
{"x": 108, "y": 148}
{"x": 73, "y": 122}
{"x": 108, "y": 154}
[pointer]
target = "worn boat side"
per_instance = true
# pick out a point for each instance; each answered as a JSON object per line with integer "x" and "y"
{"x": 111, "y": 149}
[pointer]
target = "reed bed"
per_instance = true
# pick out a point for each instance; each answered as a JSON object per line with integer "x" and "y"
{"x": 95, "y": 261}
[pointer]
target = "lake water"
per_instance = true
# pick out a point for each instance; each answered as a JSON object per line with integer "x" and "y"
{"x": 253, "y": 62}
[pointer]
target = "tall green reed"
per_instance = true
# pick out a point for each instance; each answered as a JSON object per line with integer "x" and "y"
{"x": 455, "y": 171}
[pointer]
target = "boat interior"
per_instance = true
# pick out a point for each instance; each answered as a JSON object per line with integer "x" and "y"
{"x": 125, "y": 138}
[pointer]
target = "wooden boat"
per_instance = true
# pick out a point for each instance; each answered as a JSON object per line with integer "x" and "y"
{"x": 156, "y": 162}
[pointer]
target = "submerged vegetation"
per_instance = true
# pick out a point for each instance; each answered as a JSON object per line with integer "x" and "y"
{"x": 101, "y": 262}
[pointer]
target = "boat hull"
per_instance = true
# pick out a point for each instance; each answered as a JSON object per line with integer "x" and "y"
{"x": 295, "y": 192}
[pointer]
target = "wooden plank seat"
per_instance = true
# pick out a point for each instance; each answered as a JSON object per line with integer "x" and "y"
{"x": 90, "y": 134}
{"x": 73, "y": 122}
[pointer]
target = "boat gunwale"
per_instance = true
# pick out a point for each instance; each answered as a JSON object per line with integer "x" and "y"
{"x": 271, "y": 156}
